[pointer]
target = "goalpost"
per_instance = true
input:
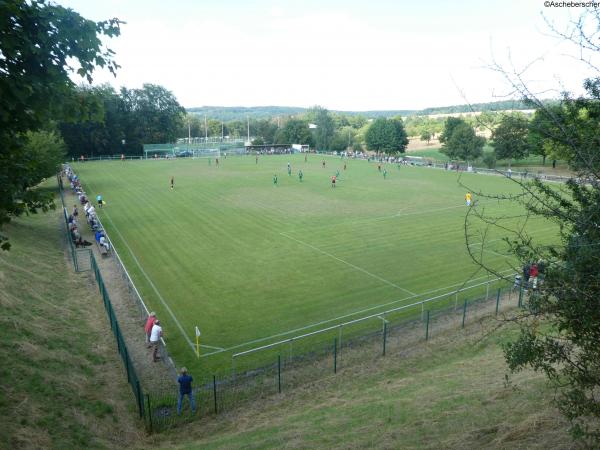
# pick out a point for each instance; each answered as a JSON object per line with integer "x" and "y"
{"x": 159, "y": 151}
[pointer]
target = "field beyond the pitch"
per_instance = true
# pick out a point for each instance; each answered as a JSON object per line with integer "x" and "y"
{"x": 251, "y": 263}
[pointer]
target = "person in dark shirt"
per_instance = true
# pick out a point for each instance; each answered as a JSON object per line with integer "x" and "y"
{"x": 185, "y": 388}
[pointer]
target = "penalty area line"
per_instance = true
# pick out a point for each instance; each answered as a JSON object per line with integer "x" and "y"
{"x": 377, "y": 277}
{"x": 335, "y": 319}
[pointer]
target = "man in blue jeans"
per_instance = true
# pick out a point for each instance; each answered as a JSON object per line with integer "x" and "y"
{"x": 185, "y": 388}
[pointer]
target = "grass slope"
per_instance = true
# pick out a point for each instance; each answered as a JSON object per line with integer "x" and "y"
{"x": 244, "y": 260}
{"x": 62, "y": 384}
{"x": 448, "y": 394}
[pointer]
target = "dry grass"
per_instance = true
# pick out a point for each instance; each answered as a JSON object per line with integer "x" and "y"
{"x": 62, "y": 384}
{"x": 448, "y": 393}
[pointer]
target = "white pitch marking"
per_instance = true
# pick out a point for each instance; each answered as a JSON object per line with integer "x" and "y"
{"x": 349, "y": 264}
{"x": 307, "y": 327}
{"x": 160, "y": 297}
{"x": 210, "y": 346}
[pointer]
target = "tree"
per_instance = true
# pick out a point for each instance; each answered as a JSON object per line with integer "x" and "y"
{"x": 426, "y": 136}
{"x": 192, "y": 125}
{"x": 153, "y": 115}
{"x": 449, "y": 126}
{"x": 545, "y": 135}
{"x": 339, "y": 143}
{"x": 463, "y": 143}
{"x": 325, "y": 127}
{"x": 387, "y": 136}
{"x": 265, "y": 129}
{"x": 40, "y": 45}
{"x": 510, "y": 138}
{"x": 295, "y": 131}
{"x": 97, "y": 127}
{"x": 560, "y": 328}
{"x": 45, "y": 151}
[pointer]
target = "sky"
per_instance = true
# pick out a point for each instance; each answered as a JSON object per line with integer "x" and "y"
{"x": 343, "y": 55}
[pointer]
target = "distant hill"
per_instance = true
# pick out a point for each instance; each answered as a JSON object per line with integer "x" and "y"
{"x": 229, "y": 113}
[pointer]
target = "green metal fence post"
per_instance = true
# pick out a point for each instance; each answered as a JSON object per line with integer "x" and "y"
{"x": 427, "y": 327}
{"x": 335, "y": 355}
{"x": 497, "y": 300}
{"x": 521, "y": 297}
{"x": 126, "y": 354}
{"x": 215, "y": 392}
{"x": 384, "y": 336}
{"x": 140, "y": 398}
{"x": 149, "y": 412}
{"x": 464, "y": 313}
{"x": 279, "y": 372}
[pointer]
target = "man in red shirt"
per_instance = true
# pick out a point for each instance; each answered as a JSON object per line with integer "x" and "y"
{"x": 148, "y": 327}
{"x": 533, "y": 274}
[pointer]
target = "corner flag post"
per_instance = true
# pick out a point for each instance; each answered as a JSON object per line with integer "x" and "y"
{"x": 197, "y": 342}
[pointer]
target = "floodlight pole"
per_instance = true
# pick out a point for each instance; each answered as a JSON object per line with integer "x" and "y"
{"x": 205, "y": 130}
{"x": 248, "y": 119}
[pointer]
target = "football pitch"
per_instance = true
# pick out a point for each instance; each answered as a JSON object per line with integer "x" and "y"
{"x": 250, "y": 263}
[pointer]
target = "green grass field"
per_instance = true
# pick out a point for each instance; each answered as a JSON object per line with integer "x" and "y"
{"x": 250, "y": 263}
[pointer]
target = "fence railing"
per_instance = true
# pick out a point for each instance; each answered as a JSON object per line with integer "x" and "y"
{"x": 286, "y": 367}
{"x": 80, "y": 256}
{"x": 271, "y": 369}
{"x": 144, "y": 312}
{"x": 132, "y": 376}
{"x": 107, "y": 158}
{"x": 381, "y": 317}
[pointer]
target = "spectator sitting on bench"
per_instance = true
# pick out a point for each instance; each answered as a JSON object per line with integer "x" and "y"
{"x": 104, "y": 242}
{"x": 95, "y": 225}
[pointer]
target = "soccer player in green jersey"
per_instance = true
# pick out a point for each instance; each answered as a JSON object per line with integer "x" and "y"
{"x": 384, "y": 173}
{"x": 274, "y": 180}
{"x": 300, "y": 175}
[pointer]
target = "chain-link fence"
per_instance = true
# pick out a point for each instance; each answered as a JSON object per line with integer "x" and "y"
{"x": 259, "y": 373}
{"x": 292, "y": 363}
{"x": 80, "y": 256}
{"x": 132, "y": 376}
{"x": 84, "y": 259}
